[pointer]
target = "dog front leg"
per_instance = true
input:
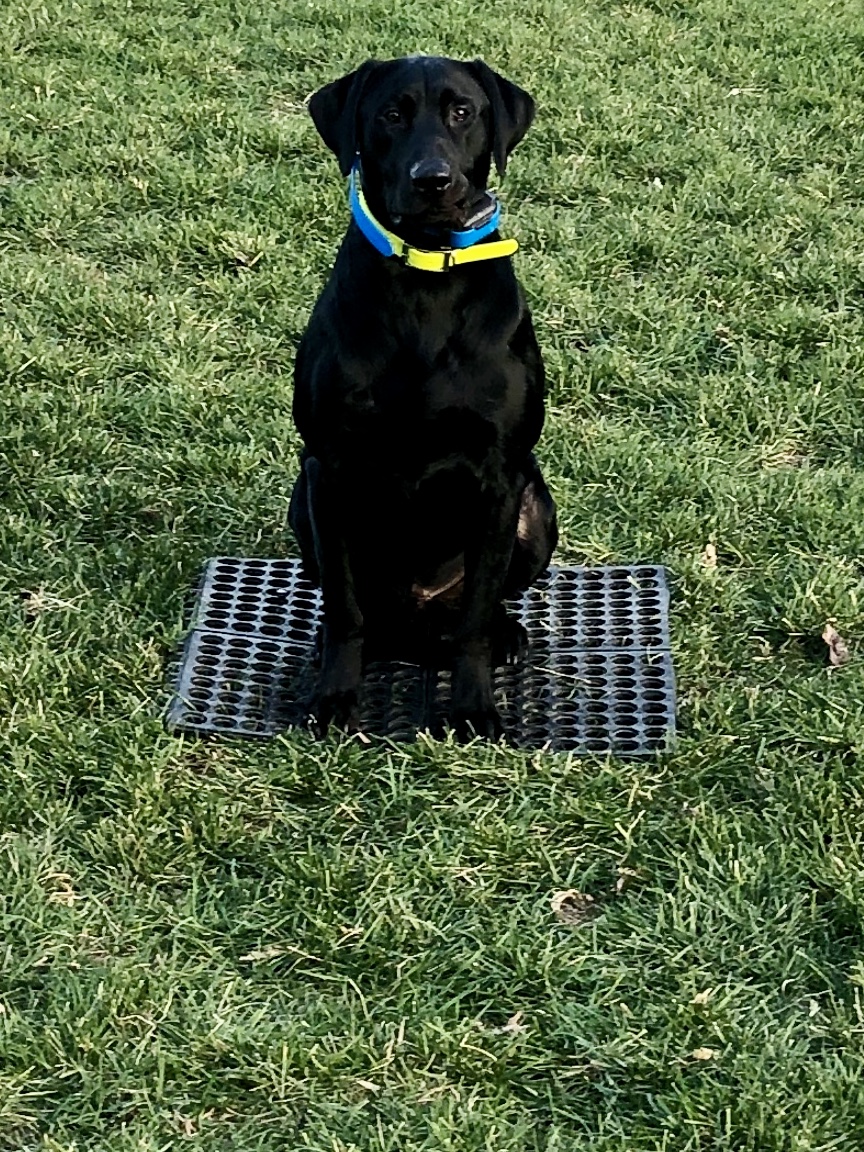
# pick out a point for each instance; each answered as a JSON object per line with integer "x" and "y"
{"x": 472, "y": 710}
{"x": 341, "y": 660}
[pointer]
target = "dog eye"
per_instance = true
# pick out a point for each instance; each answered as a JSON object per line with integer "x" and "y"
{"x": 460, "y": 114}
{"x": 393, "y": 116}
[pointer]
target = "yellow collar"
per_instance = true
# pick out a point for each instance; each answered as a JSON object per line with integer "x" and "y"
{"x": 438, "y": 260}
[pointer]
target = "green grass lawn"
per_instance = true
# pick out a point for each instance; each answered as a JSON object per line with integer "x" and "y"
{"x": 353, "y": 949}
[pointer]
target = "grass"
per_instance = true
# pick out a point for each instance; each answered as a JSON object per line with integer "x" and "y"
{"x": 342, "y": 949}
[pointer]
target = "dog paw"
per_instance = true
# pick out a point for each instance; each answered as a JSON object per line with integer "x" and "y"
{"x": 509, "y": 640}
{"x": 472, "y": 708}
{"x": 339, "y": 709}
{"x": 483, "y": 722}
{"x": 336, "y": 698}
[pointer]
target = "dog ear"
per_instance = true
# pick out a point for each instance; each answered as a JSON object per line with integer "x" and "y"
{"x": 333, "y": 109}
{"x": 511, "y": 108}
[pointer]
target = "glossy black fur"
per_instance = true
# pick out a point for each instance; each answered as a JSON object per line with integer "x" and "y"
{"x": 419, "y": 398}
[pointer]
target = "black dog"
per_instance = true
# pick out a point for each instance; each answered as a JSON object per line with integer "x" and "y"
{"x": 419, "y": 391}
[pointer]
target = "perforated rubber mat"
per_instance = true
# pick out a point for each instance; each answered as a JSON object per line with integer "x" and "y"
{"x": 597, "y": 675}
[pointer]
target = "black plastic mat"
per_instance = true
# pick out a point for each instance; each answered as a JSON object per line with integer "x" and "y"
{"x": 597, "y": 675}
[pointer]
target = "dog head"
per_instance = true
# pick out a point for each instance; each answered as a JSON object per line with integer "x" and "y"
{"x": 426, "y": 130}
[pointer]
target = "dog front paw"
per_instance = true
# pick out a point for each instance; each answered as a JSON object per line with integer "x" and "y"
{"x": 509, "y": 639}
{"x": 339, "y": 709}
{"x": 472, "y": 710}
{"x": 471, "y": 722}
{"x": 336, "y": 699}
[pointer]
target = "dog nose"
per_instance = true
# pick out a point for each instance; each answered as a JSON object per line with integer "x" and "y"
{"x": 431, "y": 175}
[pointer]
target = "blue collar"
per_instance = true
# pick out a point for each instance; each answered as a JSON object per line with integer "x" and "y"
{"x": 388, "y": 244}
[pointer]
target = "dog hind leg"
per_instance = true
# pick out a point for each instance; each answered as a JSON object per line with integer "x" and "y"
{"x": 536, "y": 535}
{"x": 300, "y": 522}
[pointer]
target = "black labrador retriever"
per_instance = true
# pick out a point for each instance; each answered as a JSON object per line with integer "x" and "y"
{"x": 419, "y": 391}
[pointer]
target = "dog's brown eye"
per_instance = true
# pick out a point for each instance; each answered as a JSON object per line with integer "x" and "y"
{"x": 392, "y": 115}
{"x": 460, "y": 114}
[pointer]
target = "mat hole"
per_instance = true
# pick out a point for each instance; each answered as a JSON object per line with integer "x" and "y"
{"x": 652, "y": 709}
{"x": 656, "y": 735}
